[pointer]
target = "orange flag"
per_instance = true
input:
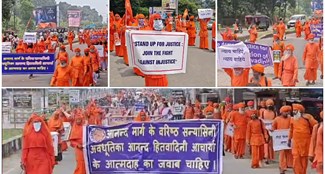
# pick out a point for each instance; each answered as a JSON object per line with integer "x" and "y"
{"x": 128, "y": 10}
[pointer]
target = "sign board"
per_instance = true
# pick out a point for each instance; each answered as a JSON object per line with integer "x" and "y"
{"x": 155, "y": 52}
{"x": 6, "y": 47}
{"x": 100, "y": 50}
{"x": 169, "y": 4}
{"x": 234, "y": 56}
{"x": 156, "y": 147}
{"x": 55, "y": 138}
{"x": 276, "y": 56}
{"x": 74, "y": 96}
{"x": 280, "y": 139}
{"x": 30, "y": 37}
{"x": 74, "y": 18}
{"x": 229, "y": 130}
{"x": 22, "y": 101}
{"x": 45, "y": 14}
{"x": 67, "y": 131}
{"x": 28, "y": 63}
{"x": 205, "y": 13}
{"x": 178, "y": 93}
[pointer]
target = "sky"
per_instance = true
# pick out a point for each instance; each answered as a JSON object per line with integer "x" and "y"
{"x": 99, "y": 5}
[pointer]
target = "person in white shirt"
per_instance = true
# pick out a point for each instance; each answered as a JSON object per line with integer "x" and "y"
{"x": 167, "y": 112}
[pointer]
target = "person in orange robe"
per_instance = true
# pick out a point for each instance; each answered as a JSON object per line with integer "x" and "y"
{"x": 253, "y": 34}
{"x": 262, "y": 107}
{"x": 111, "y": 32}
{"x": 76, "y": 139}
{"x": 288, "y": 68}
{"x": 55, "y": 124}
{"x": 41, "y": 46}
{"x": 239, "y": 76}
{"x": 299, "y": 138}
{"x": 216, "y": 111}
{"x": 298, "y": 27}
{"x": 313, "y": 142}
{"x": 310, "y": 60}
{"x": 94, "y": 57}
{"x": 116, "y": 33}
{"x": 198, "y": 114}
{"x": 239, "y": 120}
{"x": 307, "y": 29}
{"x": 277, "y": 46}
{"x": 88, "y": 69}
{"x": 209, "y": 109}
{"x": 259, "y": 76}
{"x": 80, "y": 38}
{"x": 70, "y": 39}
{"x": 226, "y": 118}
{"x": 62, "y": 52}
{"x": 191, "y": 31}
{"x": 169, "y": 23}
{"x": 204, "y": 42}
{"x": 214, "y": 36}
{"x": 228, "y": 35}
{"x": 20, "y": 47}
{"x": 320, "y": 56}
{"x": 62, "y": 74}
{"x": 141, "y": 117}
{"x": 77, "y": 64}
{"x": 250, "y": 110}
{"x": 318, "y": 159}
{"x": 123, "y": 40}
{"x": 283, "y": 123}
{"x": 281, "y": 29}
{"x": 269, "y": 115}
{"x": 37, "y": 150}
{"x": 142, "y": 26}
{"x": 188, "y": 111}
{"x": 156, "y": 80}
{"x": 256, "y": 136}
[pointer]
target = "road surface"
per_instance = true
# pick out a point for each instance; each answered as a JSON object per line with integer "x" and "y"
{"x": 299, "y": 44}
{"x": 200, "y": 70}
{"x": 231, "y": 165}
{"x": 43, "y": 80}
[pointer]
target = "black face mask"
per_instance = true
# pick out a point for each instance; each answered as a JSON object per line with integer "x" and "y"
{"x": 270, "y": 107}
{"x": 86, "y": 54}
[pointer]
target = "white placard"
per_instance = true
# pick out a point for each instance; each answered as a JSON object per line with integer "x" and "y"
{"x": 156, "y": 52}
{"x": 6, "y": 47}
{"x": 55, "y": 139}
{"x": 234, "y": 56}
{"x": 74, "y": 96}
{"x": 280, "y": 139}
{"x": 268, "y": 124}
{"x": 229, "y": 130}
{"x": 205, "y": 13}
{"x": 67, "y": 129}
{"x": 100, "y": 50}
{"x": 30, "y": 37}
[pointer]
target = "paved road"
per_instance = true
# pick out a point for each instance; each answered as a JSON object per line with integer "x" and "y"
{"x": 231, "y": 165}
{"x": 200, "y": 70}
{"x": 299, "y": 44}
{"x": 43, "y": 80}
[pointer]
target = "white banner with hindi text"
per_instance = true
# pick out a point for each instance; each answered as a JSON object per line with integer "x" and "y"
{"x": 280, "y": 139}
{"x": 234, "y": 56}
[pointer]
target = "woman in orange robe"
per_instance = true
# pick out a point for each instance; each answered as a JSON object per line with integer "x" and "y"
{"x": 37, "y": 151}
{"x": 191, "y": 31}
{"x": 88, "y": 69}
{"x": 204, "y": 42}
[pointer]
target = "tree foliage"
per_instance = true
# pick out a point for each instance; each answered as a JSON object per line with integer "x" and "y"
{"x": 7, "y": 5}
{"x": 231, "y": 9}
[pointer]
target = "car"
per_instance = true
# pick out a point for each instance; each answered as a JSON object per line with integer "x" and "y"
{"x": 294, "y": 18}
{"x": 210, "y": 24}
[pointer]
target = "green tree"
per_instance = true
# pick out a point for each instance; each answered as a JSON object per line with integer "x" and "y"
{"x": 40, "y": 3}
{"x": 26, "y": 13}
{"x": 7, "y": 6}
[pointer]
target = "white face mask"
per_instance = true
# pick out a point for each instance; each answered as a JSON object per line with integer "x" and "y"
{"x": 158, "y": 25}
{"x": 311, "y": 41}
{"x": 241, "y": 111}
{"x": 37, "y": 126}
{"x": 77, "y": 54}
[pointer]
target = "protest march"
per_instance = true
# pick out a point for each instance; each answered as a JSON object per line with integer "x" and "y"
{"x": 157, "y": 45}
{"x": 157, "y": 130}
{"x": 74, "y": 55}
{"x": 281, "y": 61}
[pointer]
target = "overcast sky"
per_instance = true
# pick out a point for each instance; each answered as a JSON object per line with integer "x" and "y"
{"x": 99, "y": 5}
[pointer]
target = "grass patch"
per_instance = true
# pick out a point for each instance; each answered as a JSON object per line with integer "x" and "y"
{"x": 9, "y": 133}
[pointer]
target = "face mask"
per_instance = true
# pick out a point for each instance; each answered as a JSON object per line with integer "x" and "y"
{"x": 86, "y": 54}
{"x": 238, "y": 72}
{"x": 241, "y": 111}
{"x": 270, "y": 107}
{"x": 158, "y": 25}
{"x": 37, "y": 126}
{"x": 311, "y": 41}
{"x": 256, "y": 75}
{"x": 297, "y": 115}
{"x": 141, "y": 22}
{"x": 77, "y": 54}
